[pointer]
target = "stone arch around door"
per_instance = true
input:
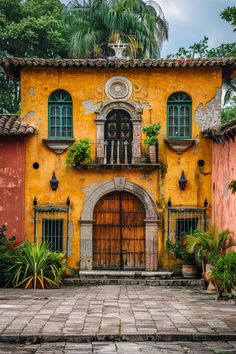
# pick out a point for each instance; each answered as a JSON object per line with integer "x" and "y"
{"x": 135, "y": 110}
{"x": 86, "y": 220}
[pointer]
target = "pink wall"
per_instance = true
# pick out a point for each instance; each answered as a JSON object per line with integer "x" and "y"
{"x": 12, "y": 163}
{"x": 224, "y": 202}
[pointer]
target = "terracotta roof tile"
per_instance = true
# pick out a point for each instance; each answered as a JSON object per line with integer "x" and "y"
{"x": 12, "y": 66}
{"x": 221, "y": 133}
{"x": 11, "y": 124}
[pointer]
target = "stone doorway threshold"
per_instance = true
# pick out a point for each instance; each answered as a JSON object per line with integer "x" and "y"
{"x": 112, "y": 277}
{"x": 124, "y": 274}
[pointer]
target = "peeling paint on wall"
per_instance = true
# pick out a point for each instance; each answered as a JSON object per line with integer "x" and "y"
{"x": 89, "y": 106}
{"x": 12, "y": 185}
{"x": 209, "y": 116}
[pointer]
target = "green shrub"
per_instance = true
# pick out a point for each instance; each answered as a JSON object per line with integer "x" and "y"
{"x": 178, "y": 250}
{"x": 7, "y": 255}
{"x": 208, "y": 244}
{"x": 79, "y": 152}
{"x": 152, "y": 131}
{"x": 37, "y": 266}
{"x": 224, "y": 271}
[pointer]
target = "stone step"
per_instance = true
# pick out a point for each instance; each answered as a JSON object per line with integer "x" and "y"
{"x": 114, "y": 274}
{"x": 131, "y": 281}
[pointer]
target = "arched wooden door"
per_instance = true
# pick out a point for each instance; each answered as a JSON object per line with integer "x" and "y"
{"x": 119, "y": 232}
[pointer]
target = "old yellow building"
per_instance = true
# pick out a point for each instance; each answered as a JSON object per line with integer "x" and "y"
{"x": 121, "y": 208}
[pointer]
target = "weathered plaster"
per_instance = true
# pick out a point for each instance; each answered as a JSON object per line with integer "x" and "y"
{"x": 12, "y": 167}
{"x": 88, "y": 84}
{"x": 223, "y": 201}
{"x": 89, "y": 106}
{"x": 209, "y": 115}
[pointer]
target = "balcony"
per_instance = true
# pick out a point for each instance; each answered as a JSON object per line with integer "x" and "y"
{"x": 120, "y": 155}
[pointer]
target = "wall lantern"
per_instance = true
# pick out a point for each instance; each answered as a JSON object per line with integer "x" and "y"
{"x": 54, "y": 182}
{"x": 182, "y": 182}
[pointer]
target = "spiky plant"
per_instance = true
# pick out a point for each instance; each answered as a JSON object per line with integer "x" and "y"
{"x": 37, "y": 266}
{"x": 208, "y": 244}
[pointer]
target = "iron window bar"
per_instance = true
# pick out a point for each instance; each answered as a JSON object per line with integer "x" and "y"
{"x": 183, "y": 220}
{"x": 51, "y": 223}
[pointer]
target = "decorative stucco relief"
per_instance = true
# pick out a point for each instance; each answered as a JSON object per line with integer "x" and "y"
{"x": 118, "y": 88}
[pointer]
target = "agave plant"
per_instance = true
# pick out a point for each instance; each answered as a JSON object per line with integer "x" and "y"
{"x": 36, "y": 266}
{"x": 208, "y": 244}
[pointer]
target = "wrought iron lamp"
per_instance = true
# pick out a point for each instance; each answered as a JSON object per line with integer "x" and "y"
{"x": 54, "y": 182}
{"x": 182, "y": 182}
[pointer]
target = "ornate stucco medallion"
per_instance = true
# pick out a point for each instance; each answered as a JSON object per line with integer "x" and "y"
{"x": 118, "y": 88}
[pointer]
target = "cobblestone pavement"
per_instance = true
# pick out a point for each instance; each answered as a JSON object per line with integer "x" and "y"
{"x": 121, "y": 348}
{"x": 114, "y": 310}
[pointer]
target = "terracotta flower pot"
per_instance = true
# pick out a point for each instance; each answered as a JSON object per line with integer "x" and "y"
{"x": 152, "y": 154}
{"x": 189, "y": 270}
{"x": 211, "y": 287}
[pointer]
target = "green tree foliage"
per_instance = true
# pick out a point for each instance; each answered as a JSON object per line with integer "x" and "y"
{"x": 32, "y": 28}
{"x": 9, "y": 94}
{"x": 97, "y": 22}
{"x": 29, "y": 28}
{"x": 229, "y": 15}
{"x": 201, "y": 50}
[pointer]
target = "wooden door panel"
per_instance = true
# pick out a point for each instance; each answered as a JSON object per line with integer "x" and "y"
{"x": 118, "y": 232}
{"x": 133, "y": 237}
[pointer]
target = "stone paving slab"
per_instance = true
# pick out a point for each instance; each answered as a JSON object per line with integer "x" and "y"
{"x": 121, "y": 348}
{"x": 110, "y": 312}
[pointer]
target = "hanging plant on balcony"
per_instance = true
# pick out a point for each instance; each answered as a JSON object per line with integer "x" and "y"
{"x": 152, "y": 131}
{"x": 78, "y": 153}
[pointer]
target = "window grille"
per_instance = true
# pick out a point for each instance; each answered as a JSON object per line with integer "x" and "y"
{"x": 179, "y": 110}
{"x": 183, "y": 221}
{"x": 60, "y": 115}
{"x": 51, "y": 223}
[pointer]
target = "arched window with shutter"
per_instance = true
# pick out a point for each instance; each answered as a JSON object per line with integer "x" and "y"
{"x": 179, "y": 116}
{"x": 60, "y": 115}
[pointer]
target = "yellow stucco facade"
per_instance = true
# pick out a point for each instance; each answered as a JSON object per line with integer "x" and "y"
{"x": 151, "y": 88}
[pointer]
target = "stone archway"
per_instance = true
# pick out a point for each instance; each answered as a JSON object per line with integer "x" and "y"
{"x": 86, "y": 220}
{"x": 135, "y": 110}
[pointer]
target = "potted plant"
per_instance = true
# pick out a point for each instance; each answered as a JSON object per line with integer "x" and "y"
{"x": 178, "y": 250}
{"x": 79, "y": 152}
{"x": 152, "y": 131}
{"x": 208, "y": 244}
{"x": 224, "y": 272}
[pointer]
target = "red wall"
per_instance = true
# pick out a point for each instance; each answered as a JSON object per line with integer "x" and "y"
{"x": 224, "y": 202}
{"x": 12, "y": 163}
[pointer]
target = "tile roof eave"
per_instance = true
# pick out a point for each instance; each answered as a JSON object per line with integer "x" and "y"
{"x": 13, "y": 65}
{"x": 221, "y": 133}
{"x": 12, "y": 125}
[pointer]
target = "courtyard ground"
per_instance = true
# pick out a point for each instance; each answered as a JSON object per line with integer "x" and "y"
{"x": 81, "y": 319}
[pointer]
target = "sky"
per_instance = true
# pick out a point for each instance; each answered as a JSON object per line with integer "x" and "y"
{"x": 190, "y": 20}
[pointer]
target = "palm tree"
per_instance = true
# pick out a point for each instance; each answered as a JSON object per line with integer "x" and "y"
{"x": 95, "y": 23}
